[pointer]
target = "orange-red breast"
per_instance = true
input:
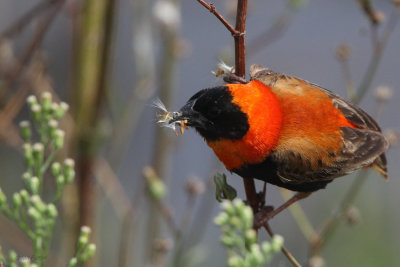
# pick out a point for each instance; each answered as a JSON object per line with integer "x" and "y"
{"x": 285, "y": 131}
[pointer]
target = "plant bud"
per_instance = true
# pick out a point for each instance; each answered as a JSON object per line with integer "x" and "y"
{"x": 59, "y": 139}
{"x": 31, "y": 100}
{"x": 46, "y": 101}
{"x": 25, "y": 129}
{"x": 55, "y": 169}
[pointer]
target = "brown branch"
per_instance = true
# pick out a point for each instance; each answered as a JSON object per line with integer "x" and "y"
{"x": 379, "y": 48}
{"x": 240, "y": 70}
{"x": 214, "y": 11}
{"x": 240, "y": 56}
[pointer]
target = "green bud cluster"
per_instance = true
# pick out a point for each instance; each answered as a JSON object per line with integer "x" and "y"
{"x": 85, "y": 248}
{"x": 27, "y": 208}
{"x": 240, "y": 239}
{"x": 46, "y": 115}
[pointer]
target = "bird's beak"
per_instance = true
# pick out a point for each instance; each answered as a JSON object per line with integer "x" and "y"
{"x": 189, "y": 117}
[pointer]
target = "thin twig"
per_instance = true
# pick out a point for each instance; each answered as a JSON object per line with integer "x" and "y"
{"x": 377, "y": 55}
{"x": 369, "y": 11}
{"x": 300, "y": 217}
{"x": 284, "y": 250}
{"x": 165, "y": 211}
{"x": 214, "y": 11}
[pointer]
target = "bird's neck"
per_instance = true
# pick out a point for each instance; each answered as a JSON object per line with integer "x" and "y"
{"x": 265, "y": 119}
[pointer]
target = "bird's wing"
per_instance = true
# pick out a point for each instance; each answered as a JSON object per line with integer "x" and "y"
{"x": 361, "y": 147}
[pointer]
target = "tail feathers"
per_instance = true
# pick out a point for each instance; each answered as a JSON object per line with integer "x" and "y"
{"x": 380, "y": 166}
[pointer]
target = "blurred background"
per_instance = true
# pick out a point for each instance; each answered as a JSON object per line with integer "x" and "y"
{"x": 147, "y": 193}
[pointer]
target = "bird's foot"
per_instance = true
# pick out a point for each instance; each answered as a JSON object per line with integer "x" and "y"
{"x": 263, "y": 216}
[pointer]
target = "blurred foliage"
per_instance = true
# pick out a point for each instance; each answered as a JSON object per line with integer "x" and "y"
{"x": 240, "y": 239}
{"x": 30, "y": 210}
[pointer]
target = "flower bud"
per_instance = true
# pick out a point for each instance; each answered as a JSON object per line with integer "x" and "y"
{"x": 31, "y": 100}
{"x": 59, "y": 139}
{"x": 34, "y": 185}
{"x": 221, "y": 219}
{"x": 38, "y": 204}
{"x": 276, "y": 243}
{"x": 37, "y": 112}
{"x": 266, "y": 247}
{"x": 32, "y": 212}
{"x": 60, "y": 180}
{"x": 248, "y": 217}
{"x": 55, "y": 169}
{"x": 25, "y": 129}
{"x": 54, "y": 108}
{"x": 38, "y": 153}
{"x": 26, "y": 176}
{"x": 52, "y": 210}
{"x": 235, "y": 261}
{"x": 82, "y": 242}
{"x": 53, "y": 125}
{"x": 73, "y": 262}
{"x": 61, "y": 110}
{"x": 12, "y": 257}
{"x": 28, "y": 155}
{"x": 229, "y": 241}
{"x": 250, "y": 236}
{"x": 69, "y": 172}
{"x": 24, "y": 196}
{"x": 17, "y": 200}
{"x": 25, "y": 261}
{"x": 256, "y": 255}
{"x": 46, "y": 101}
{"x": 89, "y": 252}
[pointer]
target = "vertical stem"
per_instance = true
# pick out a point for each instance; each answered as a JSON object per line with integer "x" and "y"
{"x": 240, "y": 70}
{"x": 240, "y": 56}
{"x": 93, "y": 51}
{"x": 251, "y": 195}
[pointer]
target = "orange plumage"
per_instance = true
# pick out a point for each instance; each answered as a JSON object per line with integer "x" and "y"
{"x": 285, "y": 131}
{"x": 253, "y": 99}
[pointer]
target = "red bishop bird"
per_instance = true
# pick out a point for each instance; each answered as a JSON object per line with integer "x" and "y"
{"x": 285, "y": 131}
